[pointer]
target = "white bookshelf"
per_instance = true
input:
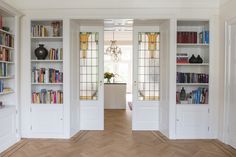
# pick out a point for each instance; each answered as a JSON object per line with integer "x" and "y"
{"x": 51, "y": 128}
{"x": 195, "y": 87}
{"x": 9, "y": 96}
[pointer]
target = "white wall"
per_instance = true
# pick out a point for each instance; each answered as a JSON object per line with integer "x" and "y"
{"x": 227, "y": 12}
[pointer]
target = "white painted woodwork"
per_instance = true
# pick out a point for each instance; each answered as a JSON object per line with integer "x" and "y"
{"x": 164, "y": 113}
{"x": 74, "y": 83}
{"x": 46, "y": 121}
{"x": 192, "y": 122}
{"x": 8, "y": 131}
{"x": 92, "y": 111}
{"x": 145, "y": 114}
{"x": 71, "y": 4}
{"x": 230, "y": 85}
{"x": 115, "y": 95}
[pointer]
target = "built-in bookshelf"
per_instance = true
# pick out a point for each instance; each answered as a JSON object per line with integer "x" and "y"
{"x": 7, "y": 60}
{"x": 47, "y": 72}
{"x": 192, "y": 62}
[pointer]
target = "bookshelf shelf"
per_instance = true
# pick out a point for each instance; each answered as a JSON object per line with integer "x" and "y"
{"x": 7, "y": 47}
{"x": 189, "y": 64}
{"x": 36, "y": 104}
{"x": 6, "y": 93}
{"x": 7, "y": 62}
{"x": 192, "y": 84}
{"x": 59, "y": 39}
{"x": 7, "y": 32}
{"x": 6, "y": 77}
{"x": 192, "y": 44}
{"x": 47, "y": 61}
{"x": 192, "y": 104}
{"x": 47, "y": 83}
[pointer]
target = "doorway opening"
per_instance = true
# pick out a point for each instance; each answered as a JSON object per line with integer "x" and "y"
{"x": 118, "y": 61}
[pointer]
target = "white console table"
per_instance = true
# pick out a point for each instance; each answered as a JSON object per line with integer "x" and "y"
{"x": 115, "y": 95}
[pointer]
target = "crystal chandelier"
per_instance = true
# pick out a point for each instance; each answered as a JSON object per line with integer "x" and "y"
{"x": 113, "y": 50}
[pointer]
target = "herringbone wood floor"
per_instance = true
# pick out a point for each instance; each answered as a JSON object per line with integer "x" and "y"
{"x": 119, "y": 141}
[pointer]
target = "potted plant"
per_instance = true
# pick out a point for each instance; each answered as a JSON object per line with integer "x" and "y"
{"x": 108, "y": 76}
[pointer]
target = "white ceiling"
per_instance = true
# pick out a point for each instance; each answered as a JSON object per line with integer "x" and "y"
{"x": 68, "y": 4}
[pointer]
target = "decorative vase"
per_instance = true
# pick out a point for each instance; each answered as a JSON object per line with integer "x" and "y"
{"x": 182, "y": 94}
{"x": 108, "y": 80}
{"x": 193, "y": 59}
{"x": 199, "y": 59}
{"x": 41, "y": 52}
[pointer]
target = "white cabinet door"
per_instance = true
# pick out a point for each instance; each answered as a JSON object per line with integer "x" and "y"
{"x": 7, "y": 127}
{"x": 46, "y": 121}
{"x": 192, "y": 122}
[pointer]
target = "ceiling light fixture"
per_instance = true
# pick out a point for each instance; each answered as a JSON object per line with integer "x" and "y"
{"x": 113, "y": 50}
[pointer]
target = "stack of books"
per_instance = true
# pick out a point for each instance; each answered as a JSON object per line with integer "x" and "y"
{"x": 182, "y": 58}
{"x": 47, "y": 97}
{"x": 204, "y": 37}
{"x": 186, "y": 37}
{"x": 198, "y": 96}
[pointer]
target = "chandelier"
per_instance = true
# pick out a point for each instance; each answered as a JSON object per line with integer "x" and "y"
{"x": 113, "y": 50}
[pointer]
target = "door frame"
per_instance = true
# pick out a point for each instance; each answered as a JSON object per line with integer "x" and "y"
{"x": 228, "y": 25}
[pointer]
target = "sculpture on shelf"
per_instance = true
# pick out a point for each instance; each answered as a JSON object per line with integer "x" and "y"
{"x": 199, "y": 59}
{"x": 193, "y": 59}
{"x": 182, "y": 94}
{"x": 56, "y": 25}
{"x": 41, "y": 52}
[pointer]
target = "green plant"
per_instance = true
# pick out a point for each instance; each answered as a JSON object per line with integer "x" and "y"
{"x": 108, "y": 75}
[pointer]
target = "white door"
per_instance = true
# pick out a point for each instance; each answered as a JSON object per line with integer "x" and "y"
{"x": 91, "y": 78}
{"x": 232, "y": 87}
{"x": 146, "y": 70}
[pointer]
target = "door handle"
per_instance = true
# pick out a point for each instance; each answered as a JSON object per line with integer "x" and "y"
{"x": 101, "y": 82}
{"x": 135, "y": 83}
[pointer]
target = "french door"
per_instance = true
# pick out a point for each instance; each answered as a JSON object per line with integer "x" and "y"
{"x": 146, "y": 70}
{"x": 91, "y": 78}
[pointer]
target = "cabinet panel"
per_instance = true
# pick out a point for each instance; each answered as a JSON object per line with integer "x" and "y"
{"x": 192, "y": 122}
{"x": 46, "y": 121}
{"x": 8, "y": 129}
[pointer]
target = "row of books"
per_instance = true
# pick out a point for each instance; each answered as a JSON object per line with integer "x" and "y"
{"x": 193, "y": 37}
{"x": 191, "y": 78}
{"x": 5, "y": 54}
{"x": 55, "y": 54}
{"x": 204, "y": 37}
{"x": 3, "y": 69}
{"x": 182, "y": 58}
{"x": 47, "y": 97}
{"x": 39, "y": 31}
{"x": 6, "y": 39}
{"x": 198, "y": 96}
{"x": 187, "y": 37}
{"x": 44, "y": 75}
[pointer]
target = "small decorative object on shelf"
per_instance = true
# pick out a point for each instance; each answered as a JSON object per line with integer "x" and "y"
{"x": 56, "y": 25}
{"x": 182, "y": 94}
{"x": 193, "y": 59}
{"x": 6, "y": 28}
{"x": 84, "y": 43}
{"x": 41, "y": 52}
{"x": 1, "y": 105}
{"x": 199, "y": 59}
{"x": 108, "y": 76}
